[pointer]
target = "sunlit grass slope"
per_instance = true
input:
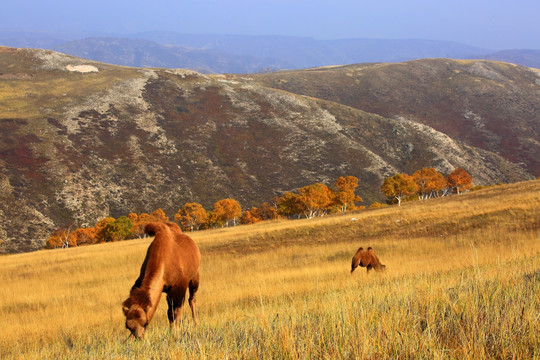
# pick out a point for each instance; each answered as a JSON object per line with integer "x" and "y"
{"x": 463, "y": 281}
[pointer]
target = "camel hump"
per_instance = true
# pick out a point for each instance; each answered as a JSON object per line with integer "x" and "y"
{"x": 154, "y": 228}
{"x": 370, "y": 249}
{"x": 174, "y": 227}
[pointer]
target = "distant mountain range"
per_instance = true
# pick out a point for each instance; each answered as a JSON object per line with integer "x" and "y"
{"x": 529, "y": 58}
{"x": 251, "y": 54}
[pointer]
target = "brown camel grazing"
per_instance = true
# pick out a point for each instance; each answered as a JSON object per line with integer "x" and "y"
{"x": 171, "y": 266}
{"x": 367, "y": 259}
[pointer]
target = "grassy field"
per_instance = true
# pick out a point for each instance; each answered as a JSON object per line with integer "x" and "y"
{"x": 463, "y": 282}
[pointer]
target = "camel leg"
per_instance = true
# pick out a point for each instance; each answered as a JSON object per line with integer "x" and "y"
{"x": 193, "y": 287}
{"x": 175, "y": 300}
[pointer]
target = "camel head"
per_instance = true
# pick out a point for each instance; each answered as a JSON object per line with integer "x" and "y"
{"x": 136, "y": 320}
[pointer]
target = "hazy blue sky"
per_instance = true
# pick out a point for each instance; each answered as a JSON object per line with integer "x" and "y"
{"x": 494, "y": 24}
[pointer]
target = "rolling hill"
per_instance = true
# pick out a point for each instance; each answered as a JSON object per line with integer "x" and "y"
{"x": 82, "y": 140}
{"x": 490, "y": 105}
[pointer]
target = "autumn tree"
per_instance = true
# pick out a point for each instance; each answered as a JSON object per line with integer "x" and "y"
{"x": 289, "y": 204}
{"x": 226, "y": 211}
{"x": 262, "y": 213}
{"x": 119, "y": 229}
{"x": 315, "y": 200}
{"x": 429, "y": 183}
{"x": 159, "y": 215}
{"x": 266, "y": 211}
{"x": 137, "y": 229}
{"x": 211, "y": 221}
{"x": 250, "y": 217}
{"x": 65, "y": 238}
{"x": 345, "y": 196}
{"x": 58, "y": 239}
{"x": 191, "y": 216}
{"x": 100, "y": 228}
{"x": 138, "y": 226}
{"x": 156, "y": 215}
{"x": 459, "y": 180}
{"x": 274, "y": 202}
{"x": 140, "y": 221}
{"x": 82, "y": 236}
{"x": 399, "y": 187}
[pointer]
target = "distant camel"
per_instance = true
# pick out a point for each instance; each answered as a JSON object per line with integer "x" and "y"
{"x": 171, "y": 266}
{"x": 367, "y": 259}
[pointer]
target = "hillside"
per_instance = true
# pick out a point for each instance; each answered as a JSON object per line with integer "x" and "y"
{"x": 81, "y": 140}
{"x": 490, "y": 105}
{"x": 462, "y": 279}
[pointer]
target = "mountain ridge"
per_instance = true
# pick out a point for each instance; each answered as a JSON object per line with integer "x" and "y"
{"x": 250, "y": 54}
{"x": 82, "y": 140}
{"x": 472, "y": 100}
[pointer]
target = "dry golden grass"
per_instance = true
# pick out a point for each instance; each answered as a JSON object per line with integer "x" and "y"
{"x": 463, "y": 281}
{"x": 23, "y": 98}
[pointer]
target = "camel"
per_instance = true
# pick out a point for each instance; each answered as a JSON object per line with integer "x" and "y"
{"x": 367, "y": 259}
{"x": 171, "y": 266}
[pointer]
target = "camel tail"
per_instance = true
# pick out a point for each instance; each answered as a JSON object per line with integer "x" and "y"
{"x": 154, "y": 228}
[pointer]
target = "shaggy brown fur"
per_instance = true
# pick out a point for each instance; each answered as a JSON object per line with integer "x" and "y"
{"x": 367, "y": 259}
{"x": 171, "y": 266}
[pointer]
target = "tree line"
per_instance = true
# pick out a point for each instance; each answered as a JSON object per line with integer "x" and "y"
{"x": 312, "y": 200}
{"x": 424, "y": 184}
{"x": 309, "y": 201}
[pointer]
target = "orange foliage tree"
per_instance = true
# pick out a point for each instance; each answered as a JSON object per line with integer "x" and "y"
{"x": 65, "y": 238}
{"x": 459, "y": 180}
{"x": 191, "y": 216}
{"x": 315, "y": 200}
{"x": 429, "y": 183}
{"x": 399, "y": 187}
{"x": 101, "y": 225}
{"x": 345, "y": 196}
{"x": 138, "y": 228}
{"x": 318, "y": 199}
{"x": 266, "y": 212}
{"x": 250, "y": 217}
{"x": 159, "y": 215}
{"x": 83, "y": 236}
{"x": 226, "y": 211}
{"x": 140, "y": 221}
{"x": 58, "y": 239}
